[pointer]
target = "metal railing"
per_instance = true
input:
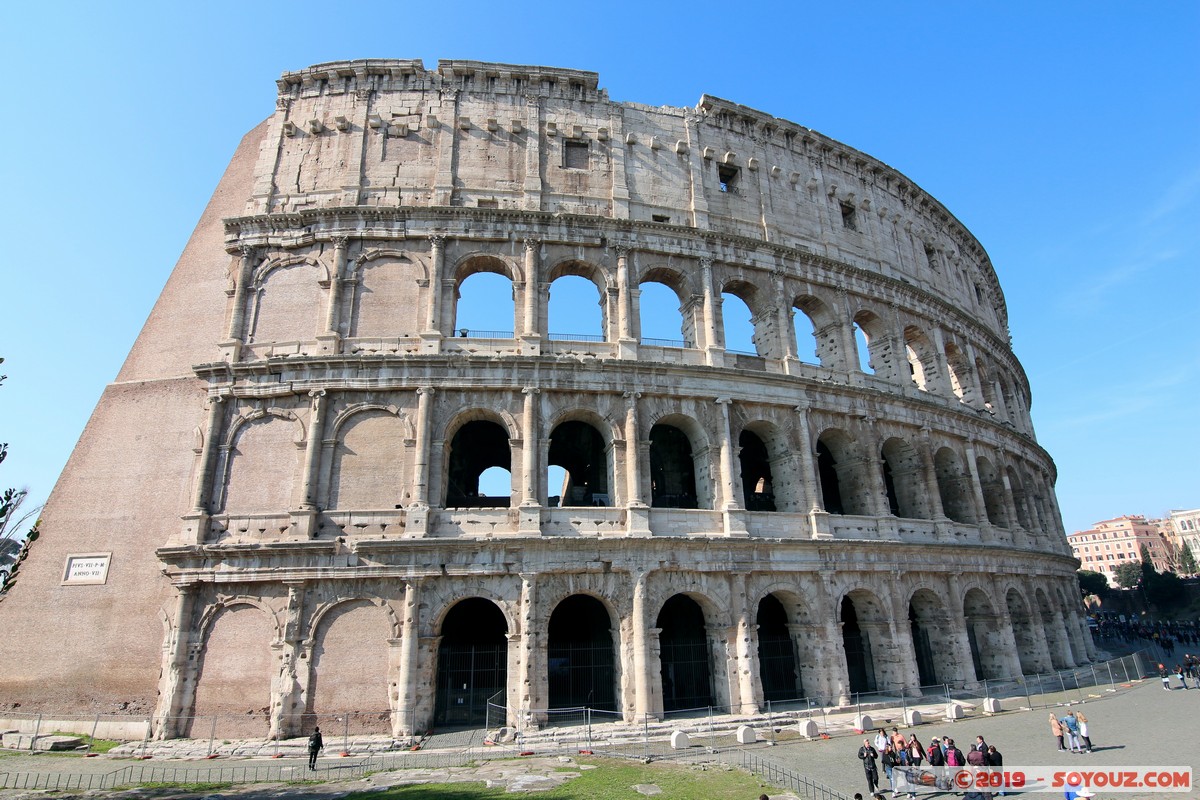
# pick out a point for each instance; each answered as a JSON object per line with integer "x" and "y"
{"x": 678, "y": 344}
{"x": 574, "y": 337}
{"x": 788, "y": 778}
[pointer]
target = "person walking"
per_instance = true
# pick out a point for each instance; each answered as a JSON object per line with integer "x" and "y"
{"x": 916, "y": 753}
{"x": 1056, "y": 730}
{"x": 867, "y": 754}
{"x": 995, "y": 759}
{"x": 1071, "y": 728}
{"x": 315, "y": 745}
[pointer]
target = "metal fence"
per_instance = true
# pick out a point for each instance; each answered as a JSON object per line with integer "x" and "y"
{"x": 788, "y": 778}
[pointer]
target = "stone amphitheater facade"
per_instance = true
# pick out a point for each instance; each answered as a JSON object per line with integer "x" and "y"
{"x": 284, "y": 477}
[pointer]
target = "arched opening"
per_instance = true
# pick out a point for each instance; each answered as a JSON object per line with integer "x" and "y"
{"x": 672, "y": 469}
{"x": 954, "y": 486}
{"x": 738, "y": 325}
{"x": 816, "y": 319}
{"x": 578, "y": 450}
{"x": 856, "y": 643}
{"x": 903, "y": 479}
{"x": 993, "y": 492}
{"x": 472, "y": 664}
{"x": 580, "y": 655}
{"x": 960, "y": 373}
{"x": 757, "y": 490}
{"x": 575, "y": 310}
{"x": 1023, "y": 633}
{"x": 805, "y": 332}
{"x": 863, "y": 345}
{"x": 1019, "y": 499}
{"x": 662, "y": 319}
{"x": 983, "y": 636}
{"x": 684, "y": 655}
{"x": 874, "y": 350}
{"x": 477, "y": 446}
{"x": 922, "y": 365}
{"x": 484, "y": 307}
{"x": 985, "y": 385}
{"x": 831, "y": 493}
{"x": 777, "y": 666}
{"x": 922, "y": 647}
{"x": 1052, "y": 624}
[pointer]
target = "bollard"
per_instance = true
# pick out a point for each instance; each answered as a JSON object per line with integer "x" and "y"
{"x": 91, "y": 740}
{"x": 37, "y": 728}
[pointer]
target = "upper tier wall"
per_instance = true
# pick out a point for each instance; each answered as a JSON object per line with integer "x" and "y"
{"x": 390, "y": 133}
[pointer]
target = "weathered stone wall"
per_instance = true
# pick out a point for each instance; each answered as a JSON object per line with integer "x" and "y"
{"x": 285, "y": 473}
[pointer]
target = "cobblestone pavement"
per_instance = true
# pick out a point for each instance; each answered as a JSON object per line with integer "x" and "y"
{"x": 1144, "y": 726}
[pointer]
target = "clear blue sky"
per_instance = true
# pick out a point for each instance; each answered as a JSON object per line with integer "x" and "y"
{"x": 1066, "y": 136}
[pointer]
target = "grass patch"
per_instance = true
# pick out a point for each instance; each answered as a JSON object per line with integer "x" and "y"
{"x": 98, "y": 745}
{"x": 611, "y": 780}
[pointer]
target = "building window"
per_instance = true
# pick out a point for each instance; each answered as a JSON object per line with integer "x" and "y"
{"x": 660, "y": 218}
{"x": 487, "y": 204}
{"x": 728, "y": 177}
{"x": 849, "y": 216}
{"x": 575, "y": 155}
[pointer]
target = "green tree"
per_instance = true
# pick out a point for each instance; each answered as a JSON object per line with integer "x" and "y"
{"x": 14, "y": 544}
{"x": 1147, "y": 566}
{"x": 1129, "y": 574}
{"x": 1165, "y": 589}
{"x": 1187, "y": 561}
{"x": 1092, "y": 582}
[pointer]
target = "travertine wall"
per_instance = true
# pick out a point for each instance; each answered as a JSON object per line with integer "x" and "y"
{"x": 306, "y": 422}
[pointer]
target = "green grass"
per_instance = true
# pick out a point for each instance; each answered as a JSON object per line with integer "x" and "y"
{"x": 611, "y": 780}
{"x": 98, "y": 745}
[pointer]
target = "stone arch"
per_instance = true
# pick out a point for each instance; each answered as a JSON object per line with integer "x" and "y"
{"x": 826, "y": 331}
{"x": 585, "y": 455}
{"x": 367, "y": 464}
{"x": 774, "y": 463}
{"x": 286, "y": 300}
{"x": 1023, "y": 632}
{"x": 954, "y": 486}
{"x": 689, "y": 312}
{"x": 472, "y": 659}
{"x": 763, "y": 317}
{"x": 867, "y": 642}
{"x": 261, "y": 462}
{"x": 476, "y": 440}
{"x": 234, "y": 676}
{"x": 879, "y": 356}
{"x": 1020, "y": 499}
{"x": 678, "y": 463}
{"x": 778, "y": 656}
{"x": 350, "y": 663}
{"x": 605, "y": 290}
{"x": 904, "y": 479}
{"x": 993, "y": 492}
{"x": 385, "y": 290}
{"x": 1056, "y": 633}
{"x": 845, "y": 488}
{"x": 922, "y": 361}
{"x": 959, "y": 368}
{"x": 582, "y": 635}
{"x": 930, "y": 627}
{"x": 475, "y": 263}
{"x": 983, "y": 635}
{"x": 686, "y": 669}
{"x": 986, "y": 386}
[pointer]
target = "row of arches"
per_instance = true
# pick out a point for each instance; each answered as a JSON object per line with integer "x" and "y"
{"x": 477, "y": 458}
{"x": 390, "y": 293}
{"x": 795, "y": 645}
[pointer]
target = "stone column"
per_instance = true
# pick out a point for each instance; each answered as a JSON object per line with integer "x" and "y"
{"x": 289, "y": 688}
{"x": 237, "y": 317}
{"x": 437, "y": 267}
{"x": 625, "y": 302}
{"x": 406, "y": 706}
{"x": 178, "y": 678}
{"x": 531, "y": 332}
{"x": 787, "y": 330}
{"x": 852, "y": 361}
{"x": 808, "y": 460}
{"x": 1037, "y": 628}
{"x": 981, "y": 515}
{"x": 941, "y": 383}
{"x": 334, "y": 311}
{"x": 873, "y": 464}
{"x": 312, "y": 449}
{"x": 195, "y": 523}
{"x": 1007, "y": 635}
{"x": 529, "y": 447}
{"x": 531, "y": 678}
{"x": 728, "y": 485}
{"x": 417, "y": 516}
{"x": 956, "y": 631}
{"x": 637, "y": 512}
{"x": 834, "y": 675}
{"x": 647, "y": 702}
{"x": 1010, "y": 504}
{"x": 929, "y": 472}
{"x": 714, "y": 346}
{"x": 908, "y": 677}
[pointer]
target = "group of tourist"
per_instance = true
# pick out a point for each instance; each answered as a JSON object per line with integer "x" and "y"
{"x": 904, "y": 759}
{"x": 1189, "y": 668}
{"x": 1163, "y": 634}
{"x": 1071, "y": 732}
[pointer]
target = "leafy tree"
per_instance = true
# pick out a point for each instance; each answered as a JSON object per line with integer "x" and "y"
{"x": 1128, "y": 574}
{"x": 13, "y": 544}
{"x": 1165, "y": 589}
{"x": 1092, "y": 582}
{"x": 1187, "y": 561}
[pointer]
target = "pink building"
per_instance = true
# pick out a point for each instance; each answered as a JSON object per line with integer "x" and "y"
{"x": 1114, "y": 541}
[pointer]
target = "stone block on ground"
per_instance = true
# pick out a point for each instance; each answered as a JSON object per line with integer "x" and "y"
{"x": 954, "y": 711}
{"x": 745, "y": 735}
{"x": 992, "y": 705}
{"x": 863, "y": 722}
{"x": 807, "y": 729}
{"x": 912, "y": 717}
{"x": 680, "y": 741}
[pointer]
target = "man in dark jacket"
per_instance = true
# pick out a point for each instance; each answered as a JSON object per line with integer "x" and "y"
{"x": 867, "y": 754}
{"x": 315, "y": 745}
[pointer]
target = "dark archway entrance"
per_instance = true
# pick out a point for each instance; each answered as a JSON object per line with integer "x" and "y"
{"x": 757, "y": 492}
{"x": 860, "y": 669}
{"x": 776, "y": 653}
{"x": 672, "y": 471}
{"x": 926, "y": 666}
{"x": 579, "y": 449}
{"x": 684, "y": 655}
{"x": 580, "y": 655}
{"x": 831, "y": 493}
{"x": 472, "y": 662}
{"x": 477, "y": 446}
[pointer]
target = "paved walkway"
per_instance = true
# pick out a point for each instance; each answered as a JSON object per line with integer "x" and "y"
{"x": 1143, "y": 726}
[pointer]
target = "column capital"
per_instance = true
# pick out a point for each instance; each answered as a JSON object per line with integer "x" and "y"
{"x": 438, "y": 240}
{"x": 340, "y": 242}
{"x": 316, "y": 393}
{"x": 723, "y": 401}
{"x": 531, "y": 390}
{"x": 631, "y": 395}
{"x": 425, "y": 390}
{"x": 532, "y": 243}
{"x": 621, "y": 249}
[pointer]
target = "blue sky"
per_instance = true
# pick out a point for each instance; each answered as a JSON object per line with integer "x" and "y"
{"x": 1065, "y": 136}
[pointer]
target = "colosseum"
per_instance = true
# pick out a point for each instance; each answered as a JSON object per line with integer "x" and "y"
{"x": 276, "y": 512}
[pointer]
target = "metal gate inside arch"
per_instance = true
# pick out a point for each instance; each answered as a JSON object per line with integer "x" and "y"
{"x": 472, "y": 662}
{"x": 580, "y": 655}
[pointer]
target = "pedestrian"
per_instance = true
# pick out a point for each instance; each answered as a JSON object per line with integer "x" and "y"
{"x": 1166, "y": 679}
{"x": 1179, "y": 674}
{"x": 1083, "y": 731}
{"x": 1056, "y": 730}
{"x": 315, "y": 745}
{"x": 889, "y": 761}
{"x": 867, "y": 754}
{"x": 954, "y": 756}
{"x": 936, "y": 757}
{"x": 1071, "y": 726}
{"x": 995, "y": 760}
{"x": 916, "y": 753}
{"x": 900, "y": 746}
{"x": 881, "y": 739}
